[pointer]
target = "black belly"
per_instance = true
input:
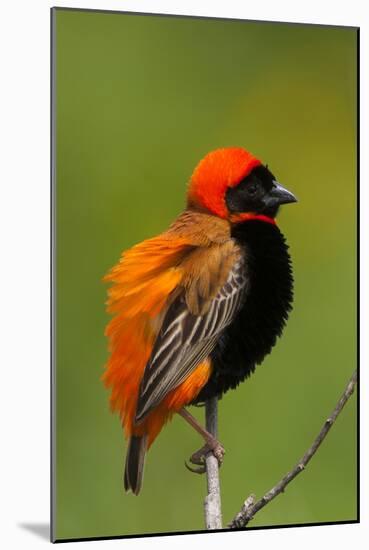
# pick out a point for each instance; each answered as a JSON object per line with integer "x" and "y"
{"x": 255, "y": 329}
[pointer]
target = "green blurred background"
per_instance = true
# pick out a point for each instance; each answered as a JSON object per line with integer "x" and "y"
{"x": 139, "y": 101}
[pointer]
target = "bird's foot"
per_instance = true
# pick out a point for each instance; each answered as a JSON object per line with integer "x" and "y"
{"x": 198, "y": 458}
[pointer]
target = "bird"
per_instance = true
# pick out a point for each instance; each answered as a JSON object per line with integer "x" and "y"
{"x": 197, "y": 307}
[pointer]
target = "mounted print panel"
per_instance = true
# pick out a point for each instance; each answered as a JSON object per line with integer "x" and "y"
{"x": 204, "y": 180}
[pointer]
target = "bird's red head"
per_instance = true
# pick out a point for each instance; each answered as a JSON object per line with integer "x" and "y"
{"x": 233, "y": 184}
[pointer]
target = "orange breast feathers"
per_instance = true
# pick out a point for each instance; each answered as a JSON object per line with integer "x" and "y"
{"x": 193, "y": 263}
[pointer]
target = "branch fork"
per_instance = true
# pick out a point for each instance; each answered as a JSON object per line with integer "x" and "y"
{"x": 212, "y": 504}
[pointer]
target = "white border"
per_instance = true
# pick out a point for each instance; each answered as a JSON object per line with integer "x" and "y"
{"x": 24, "y": 165}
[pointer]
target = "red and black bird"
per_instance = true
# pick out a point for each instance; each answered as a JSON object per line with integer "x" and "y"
{"x": 199, "y": 306}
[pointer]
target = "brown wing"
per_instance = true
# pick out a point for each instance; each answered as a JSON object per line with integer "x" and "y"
{"x": 186, "y": 338}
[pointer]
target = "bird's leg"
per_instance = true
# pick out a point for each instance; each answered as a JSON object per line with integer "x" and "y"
{"x": 212, "y": 445}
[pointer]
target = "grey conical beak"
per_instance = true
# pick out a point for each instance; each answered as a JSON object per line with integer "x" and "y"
{"x": 280, "y": 195}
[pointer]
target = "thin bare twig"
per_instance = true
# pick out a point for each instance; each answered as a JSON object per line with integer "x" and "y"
{"x": 250, "y": 508}
{"x": 212, "y": 503}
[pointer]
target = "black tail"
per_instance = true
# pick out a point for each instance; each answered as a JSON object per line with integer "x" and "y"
{"x": 135, "y": 461}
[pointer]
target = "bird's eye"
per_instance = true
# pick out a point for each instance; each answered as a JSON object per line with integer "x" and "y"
{"x": 252, "y": 188}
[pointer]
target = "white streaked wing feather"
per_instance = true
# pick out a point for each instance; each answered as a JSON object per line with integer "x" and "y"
{"x": 186, "y": 339}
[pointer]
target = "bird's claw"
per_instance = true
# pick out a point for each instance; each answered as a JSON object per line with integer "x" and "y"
{"x": 199, "y": 470}
{"x": 219, "y": 452}
{"x": 198, "y": 458}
